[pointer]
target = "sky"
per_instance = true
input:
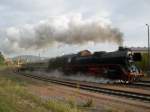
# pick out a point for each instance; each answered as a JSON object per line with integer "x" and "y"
{"x": 27, "y": 16}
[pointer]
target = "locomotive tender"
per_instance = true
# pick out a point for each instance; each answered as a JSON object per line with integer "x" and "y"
{"x": 119, "y": 64}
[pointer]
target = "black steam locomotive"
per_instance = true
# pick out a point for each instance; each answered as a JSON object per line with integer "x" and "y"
{"x": 119, "y": 64}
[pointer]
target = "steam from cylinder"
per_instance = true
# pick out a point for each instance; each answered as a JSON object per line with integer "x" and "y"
{"x": 69, "y": 30}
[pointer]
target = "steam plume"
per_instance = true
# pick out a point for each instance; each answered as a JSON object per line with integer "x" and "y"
{"x": 66, "y": 30}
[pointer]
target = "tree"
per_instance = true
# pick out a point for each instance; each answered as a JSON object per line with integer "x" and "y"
{"x": 1, "y": 59}
{"x": 144, "y": 63}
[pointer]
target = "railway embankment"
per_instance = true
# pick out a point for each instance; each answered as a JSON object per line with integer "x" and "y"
{"x": 27, "y": 94}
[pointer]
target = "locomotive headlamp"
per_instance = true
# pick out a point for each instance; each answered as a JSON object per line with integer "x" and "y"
{"x": 130, "y": 56}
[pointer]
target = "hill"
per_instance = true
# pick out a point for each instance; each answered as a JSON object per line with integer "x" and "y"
{"x": 29, "y": 58}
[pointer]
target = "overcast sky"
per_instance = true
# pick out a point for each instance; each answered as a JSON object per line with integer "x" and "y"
{"x": 129, "y": 16}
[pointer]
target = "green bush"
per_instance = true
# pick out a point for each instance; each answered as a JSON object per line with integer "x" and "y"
{"x": 1, "y": 59}
{"x": 144, "y": 63}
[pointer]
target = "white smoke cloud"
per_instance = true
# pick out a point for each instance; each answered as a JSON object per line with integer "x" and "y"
{"x": 63, "y": 29}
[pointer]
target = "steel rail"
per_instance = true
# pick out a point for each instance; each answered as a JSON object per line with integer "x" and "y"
{"x": 145, "y": 81}
{"x": 141, "y": 84}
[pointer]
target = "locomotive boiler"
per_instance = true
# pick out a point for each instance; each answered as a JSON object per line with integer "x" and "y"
{"x": 119, "y": 64}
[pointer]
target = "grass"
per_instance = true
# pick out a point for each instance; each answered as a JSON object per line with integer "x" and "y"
{"x": 56, "y": 106}
{"x": 14, "y": 97}
{"x": 88, "y": 103}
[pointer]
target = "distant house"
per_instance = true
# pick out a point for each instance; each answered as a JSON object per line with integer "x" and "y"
{"x": 139, "y": 49}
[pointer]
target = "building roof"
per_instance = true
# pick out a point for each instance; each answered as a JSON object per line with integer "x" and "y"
{"x": 139, "y": 49}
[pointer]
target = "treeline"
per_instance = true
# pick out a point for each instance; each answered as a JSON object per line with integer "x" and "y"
{"x": 144, "y": 63}
{"x": 2, "y": 60}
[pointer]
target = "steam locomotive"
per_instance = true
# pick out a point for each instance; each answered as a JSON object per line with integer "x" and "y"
{"x": 115, "y": 65}
{"x": 119, "y": 64}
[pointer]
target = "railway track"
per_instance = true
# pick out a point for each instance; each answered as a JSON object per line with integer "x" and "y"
{"x": 77, "y": 84}
{"x": 145, "y": 81}
{"x": 142, "y": 83}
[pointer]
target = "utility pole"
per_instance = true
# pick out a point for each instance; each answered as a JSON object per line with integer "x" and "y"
{"x": 148, "y": 47}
